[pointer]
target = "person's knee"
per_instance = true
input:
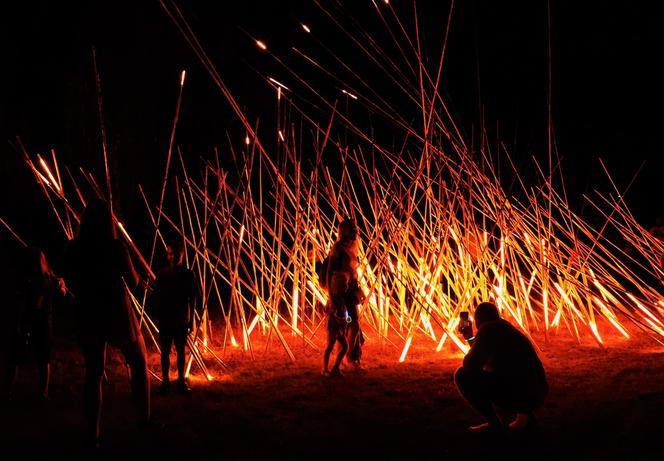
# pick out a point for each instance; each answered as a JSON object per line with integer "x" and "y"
{"x": 461, "y": 376}
{"x": 180, "y": 344}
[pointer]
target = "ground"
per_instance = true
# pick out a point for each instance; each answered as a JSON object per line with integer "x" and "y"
{"x": 604, "y": 403}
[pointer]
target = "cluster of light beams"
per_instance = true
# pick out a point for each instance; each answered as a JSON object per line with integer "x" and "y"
{"x": 438, "y": 231}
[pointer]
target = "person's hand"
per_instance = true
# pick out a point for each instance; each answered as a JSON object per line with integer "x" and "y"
{"x": 467, "y": 331}
{"x": 62, "y": 286}
{"x": 190, "y": 327}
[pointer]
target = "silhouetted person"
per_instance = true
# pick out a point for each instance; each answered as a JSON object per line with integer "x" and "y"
{"x": 98, "y": 269}
{"x": 502, "y": 369}
{"x": 341, "y": 272}
{"x": 33, "y": 321}
{"x": 353, "y": 298}
{"x": 175, "y": 296}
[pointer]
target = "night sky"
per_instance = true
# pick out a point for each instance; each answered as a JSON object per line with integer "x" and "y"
{"x": 607, "y": 85}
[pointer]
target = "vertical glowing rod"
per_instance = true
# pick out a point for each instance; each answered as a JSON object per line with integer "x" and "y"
{"x": 296, "y": 300}
{"x": 100, "y": 109}
{"x": 405, "y": 349}
{"x": 168, "y": 163}
{"x": 545, "y": 306}
{"x": 57, "y": 170}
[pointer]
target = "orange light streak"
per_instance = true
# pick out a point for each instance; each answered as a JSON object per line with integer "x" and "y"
{"x": 644, "y": 309}
{"x": 593, "y": 328}
{"x": 260, "y": 313}
{"x": 57, "y": 169}
{"x": 296, "y": 300}
{"x": 48, "y": 172}
{"x": 261, "y": 45}
{"x": 451, "y": 325}
{"x": 317, "y": 293}
{"x": 654, "y": 326}
{"x": 545, "y": 307}
{"x": 43, "y": 178}
{"x": 569, "y": 303}
{"x": 405, "y": 349}
{"x": 463, "y": 347}
{"x": 279, "y": 84}
{"x": 121, "y": 226}
{"x": 188, "y": 369}
{"x": 349, "y": 94}
{"x": 610, "y": 316}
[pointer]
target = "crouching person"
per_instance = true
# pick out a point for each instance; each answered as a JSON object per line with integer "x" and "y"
{"x": 502, "y": 369}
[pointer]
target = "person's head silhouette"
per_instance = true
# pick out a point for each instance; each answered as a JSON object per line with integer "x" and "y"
{"x": 347, "y": 230}
{"x": 175, "y": 254}
{"x": 486, "y": 312}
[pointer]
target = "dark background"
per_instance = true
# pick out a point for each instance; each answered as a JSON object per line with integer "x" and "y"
{"x": 606, "y": 88}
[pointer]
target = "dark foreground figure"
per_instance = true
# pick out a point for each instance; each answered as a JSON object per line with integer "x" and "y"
{"x": 501, "y": 370}
{"x": 32, "y": 320}
{"x": 98, "y": 270}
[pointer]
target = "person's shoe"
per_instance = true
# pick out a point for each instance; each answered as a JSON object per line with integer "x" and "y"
{"x": 182, "y": 387}
{"x": 325, "y": 373}
{"x": 523, "y": 422}
{"x": 357, "y": 366}
{"x": 336, "y": 372}
{"x": 165, "y": 387}
{"x": 486, "y": 427}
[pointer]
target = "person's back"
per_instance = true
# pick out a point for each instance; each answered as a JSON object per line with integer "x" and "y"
{"x": 95, "y": 268}
{"x": 175, "y": 288}
{"x": 502, "y": 349}
{"x": 96, "y": 272}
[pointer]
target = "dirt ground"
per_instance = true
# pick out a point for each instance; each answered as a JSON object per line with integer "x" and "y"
{"x": 604, "y": 403}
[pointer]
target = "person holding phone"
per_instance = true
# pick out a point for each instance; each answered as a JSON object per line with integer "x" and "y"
{"x": 501, "y": 370}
